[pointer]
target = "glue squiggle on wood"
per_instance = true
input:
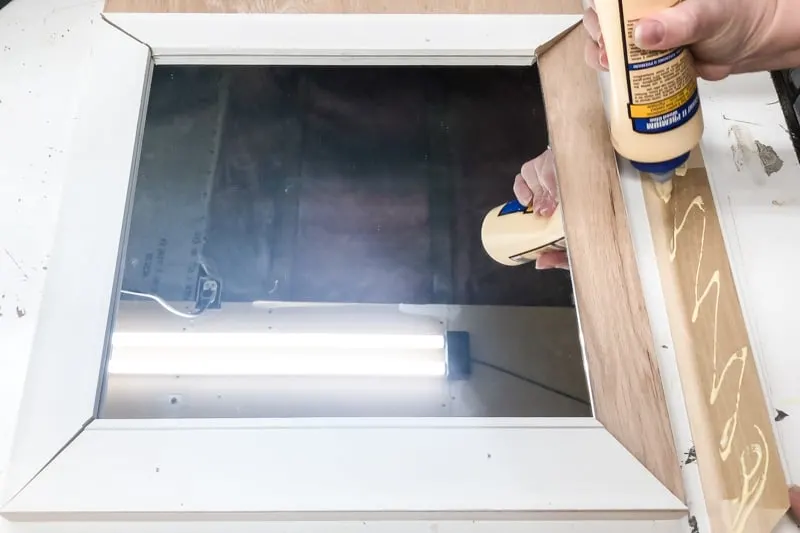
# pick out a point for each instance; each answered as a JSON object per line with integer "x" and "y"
{"x": 754, "y": 478}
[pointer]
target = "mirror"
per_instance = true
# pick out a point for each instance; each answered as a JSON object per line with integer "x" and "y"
{"x": 306, "y": 242}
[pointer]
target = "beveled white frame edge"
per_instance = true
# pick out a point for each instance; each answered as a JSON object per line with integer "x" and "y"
{"x": 67, "y": 465}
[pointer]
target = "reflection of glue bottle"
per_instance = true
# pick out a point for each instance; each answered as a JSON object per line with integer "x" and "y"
{"x": 654, "y": 107}
{"x": 513, "y": 234}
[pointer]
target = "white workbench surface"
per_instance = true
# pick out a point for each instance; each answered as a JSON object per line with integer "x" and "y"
{"x": 43, "y": 44}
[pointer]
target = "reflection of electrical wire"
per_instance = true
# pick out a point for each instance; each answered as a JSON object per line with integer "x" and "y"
{"x": 163, "y": 303}
{"x": 529, "y": 380}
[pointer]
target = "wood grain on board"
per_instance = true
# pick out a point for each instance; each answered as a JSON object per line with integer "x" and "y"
{"x": 346, "y": 6}
{"x": 737, "y": 454}
{"x": 623, "y": 370}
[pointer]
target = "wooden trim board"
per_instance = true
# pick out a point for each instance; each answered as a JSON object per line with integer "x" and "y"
{"x": 623, "y": 370}
{"x": 737, "y": 454}
{"x": 484, "y": 7}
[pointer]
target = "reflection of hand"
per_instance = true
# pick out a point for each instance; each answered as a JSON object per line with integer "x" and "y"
{"x": 725, "y": 36}
{"x": 794, "y": 502}
{"x": 536, "y": 185}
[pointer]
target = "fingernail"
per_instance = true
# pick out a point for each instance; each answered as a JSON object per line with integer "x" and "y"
{"x": 649, "y": 33}
{"x": 604, "y": 59}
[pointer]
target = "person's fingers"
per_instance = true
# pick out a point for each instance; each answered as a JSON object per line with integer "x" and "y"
{"x": 543, "y": 202}
{"x": 710, "y": 72}
{"x": 591, "y": 54}
{"x": 592, "y": 24}
{"x": 794, "y": 502}
{"x": 685, "y": 23}
{"x": 545, "y": 166}
{"x": 522, "y": 191}
{"x": 549, "y": 260}
{"x": 531, "y": 179}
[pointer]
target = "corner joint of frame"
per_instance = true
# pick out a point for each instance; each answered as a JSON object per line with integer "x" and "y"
{"x": 114, "y": 25}
{"x": 7, "y": 499}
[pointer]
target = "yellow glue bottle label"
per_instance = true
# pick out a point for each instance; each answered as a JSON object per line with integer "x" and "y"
{"x": 662, "y": 85}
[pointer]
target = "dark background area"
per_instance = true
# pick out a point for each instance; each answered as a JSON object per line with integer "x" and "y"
{"x": 359, "y": 184}
{"x": 787, "y": 84}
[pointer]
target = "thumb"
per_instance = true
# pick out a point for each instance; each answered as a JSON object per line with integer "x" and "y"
{"x": 681, "y": 25}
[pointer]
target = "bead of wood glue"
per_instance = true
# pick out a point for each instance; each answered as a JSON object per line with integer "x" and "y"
{"x": 513, "y": 234}
{"x": 654, "y": 106}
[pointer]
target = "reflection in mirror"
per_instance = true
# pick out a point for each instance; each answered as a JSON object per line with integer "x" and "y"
{"x": 306, "y": 242}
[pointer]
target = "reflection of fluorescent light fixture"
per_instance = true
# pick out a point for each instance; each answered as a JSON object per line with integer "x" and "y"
{"x": 277, "y": 354}
{"x": 129, "y": 339}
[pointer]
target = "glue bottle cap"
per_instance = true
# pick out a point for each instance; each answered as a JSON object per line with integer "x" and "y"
{"x": 664, "y": 169}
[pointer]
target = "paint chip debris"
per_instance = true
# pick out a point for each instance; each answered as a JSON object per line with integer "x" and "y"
{"x": 20, "y": 312}
{"x": 691, "y": 456}
{"x": 780, "y": 415}
{"x": 769, "y": 159}
{"x": 693, "y": 524}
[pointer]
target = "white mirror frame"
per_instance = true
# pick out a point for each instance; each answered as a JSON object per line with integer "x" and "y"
{"x": 67, "y": 466}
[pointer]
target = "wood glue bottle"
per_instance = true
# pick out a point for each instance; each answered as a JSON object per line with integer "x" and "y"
{"x": 513, "y": 234}
{"x": 654, "y": 107}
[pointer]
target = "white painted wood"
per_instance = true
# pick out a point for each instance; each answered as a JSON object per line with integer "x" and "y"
{"x": 372, "y": 60}
{"x": 35, "y": 135}
{"x": 66, "y": 358}
{"x": 344, "y": 423}
{"x": 371, "y": 526}
{"x": 342, "y": 39}
{"x": 145, "y": 468}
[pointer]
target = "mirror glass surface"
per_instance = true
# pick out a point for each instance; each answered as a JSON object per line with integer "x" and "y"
{"x": 306, "y": 242}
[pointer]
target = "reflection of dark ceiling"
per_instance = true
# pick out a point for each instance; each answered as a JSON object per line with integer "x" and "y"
{"x": 342, "y": 184}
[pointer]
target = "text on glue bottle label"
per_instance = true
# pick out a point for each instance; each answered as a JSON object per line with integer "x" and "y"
{"x": 662, "y": 89}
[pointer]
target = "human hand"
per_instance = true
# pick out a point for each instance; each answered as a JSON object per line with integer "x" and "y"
{"x": 794, "y": 503}
{"x": 536, "y": 185}
{"x": 725, "y": 36}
